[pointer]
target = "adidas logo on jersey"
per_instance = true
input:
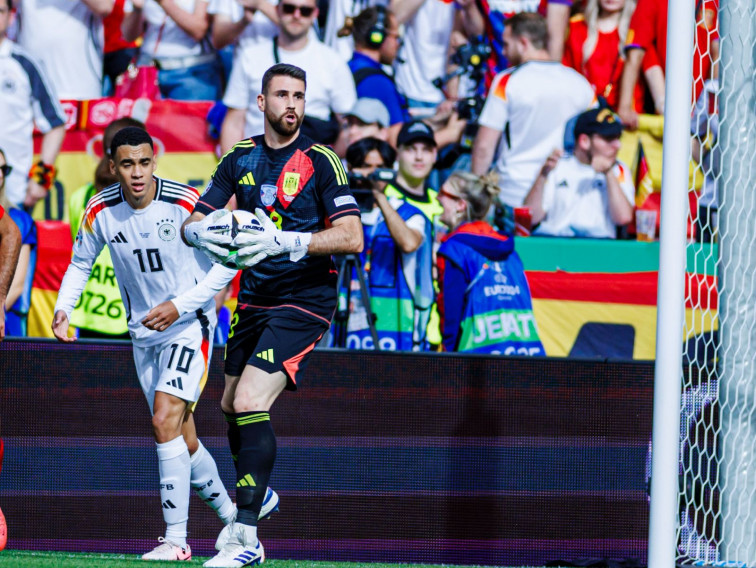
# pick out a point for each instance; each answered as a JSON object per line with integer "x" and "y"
{"x": 266, "y": 355}
{"x": 119, "y": 238}
{"x": 176, "y": 383}
{"x": 247, "y": 180}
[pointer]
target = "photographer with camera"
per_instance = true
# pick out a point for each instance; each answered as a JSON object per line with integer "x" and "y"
{"x": 397, "y": 256}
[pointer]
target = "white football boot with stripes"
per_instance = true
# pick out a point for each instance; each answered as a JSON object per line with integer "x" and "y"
{"x": 269, "y": 506}
{"x": 237, "y": 551}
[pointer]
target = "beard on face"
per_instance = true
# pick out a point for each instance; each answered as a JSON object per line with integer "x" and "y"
{"x": 279, "y": 124}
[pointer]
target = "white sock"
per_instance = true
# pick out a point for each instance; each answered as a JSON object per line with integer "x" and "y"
{"x": 207, "y": 483}
{"x": 175, "y": 471}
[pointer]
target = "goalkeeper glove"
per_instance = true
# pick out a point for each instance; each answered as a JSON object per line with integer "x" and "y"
{"x": 255, "y": 246}
{"x": 214, "y": 244}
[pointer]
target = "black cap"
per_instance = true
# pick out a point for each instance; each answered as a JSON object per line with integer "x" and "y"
{"x": 415, "y": 131}
{"x": 601, "y": 121}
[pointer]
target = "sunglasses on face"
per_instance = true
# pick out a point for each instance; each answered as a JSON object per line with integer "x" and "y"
{"x": 6, "y": 169}
{"x": 305, "y": 11}
{"x": 449, "y": 195}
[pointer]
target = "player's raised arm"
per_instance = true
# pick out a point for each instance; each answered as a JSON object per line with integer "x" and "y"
{"x": 165, "y": 314}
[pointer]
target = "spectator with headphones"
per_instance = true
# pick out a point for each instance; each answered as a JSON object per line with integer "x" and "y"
{"x": 376, "y": 42}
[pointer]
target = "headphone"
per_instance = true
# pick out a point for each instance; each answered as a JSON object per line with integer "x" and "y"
{"x": 377, "y": 33}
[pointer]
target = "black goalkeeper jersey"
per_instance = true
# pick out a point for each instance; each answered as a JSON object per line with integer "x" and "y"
{"x": 303, "y": 187}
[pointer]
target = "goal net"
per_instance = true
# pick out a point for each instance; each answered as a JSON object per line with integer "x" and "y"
{"x": 717, "y": 467}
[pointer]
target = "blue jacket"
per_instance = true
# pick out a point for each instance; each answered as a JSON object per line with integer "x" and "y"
{"x": 400, "y": 295}
{"x": 485, "y": 302}
{"x": 16, "y": 318}
{"x": 379, "y": 85}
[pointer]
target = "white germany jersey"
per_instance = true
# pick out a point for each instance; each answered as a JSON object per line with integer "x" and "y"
{"x": 151, "y": 262}
{"x": 576, "y": 201}
{"x": 531, "y": 104}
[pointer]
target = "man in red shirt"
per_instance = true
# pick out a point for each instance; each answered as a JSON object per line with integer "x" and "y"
{"x": 648, "y": 31}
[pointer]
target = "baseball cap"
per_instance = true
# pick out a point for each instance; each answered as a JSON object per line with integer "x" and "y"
{"x": 601, "y": 121}
{"x": 415, "y": 131}
{"x": 370, "y": 111}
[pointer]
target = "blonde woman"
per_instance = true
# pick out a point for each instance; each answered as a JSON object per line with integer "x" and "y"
{"x": 595, "y": 47}
{"x": 484, "y": 299}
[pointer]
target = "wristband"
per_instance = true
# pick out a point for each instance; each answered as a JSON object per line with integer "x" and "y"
{"x": 43, "y": 174}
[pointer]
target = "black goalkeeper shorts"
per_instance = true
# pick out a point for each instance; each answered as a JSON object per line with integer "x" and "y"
{"x": 273, "y": 339}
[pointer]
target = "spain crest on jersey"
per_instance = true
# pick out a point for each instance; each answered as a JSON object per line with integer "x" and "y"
{"x": 290, "y": 185}
{"x": 294, "y": 176}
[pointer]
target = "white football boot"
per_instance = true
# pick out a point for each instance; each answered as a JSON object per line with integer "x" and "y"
{"x": 167, "y": 550}
{"x": 269, "y": 506}
{"x": 237, "y": 551}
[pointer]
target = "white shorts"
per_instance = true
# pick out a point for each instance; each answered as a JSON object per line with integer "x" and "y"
{"x": 177, "y": 366}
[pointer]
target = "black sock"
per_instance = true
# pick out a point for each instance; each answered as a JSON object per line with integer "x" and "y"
{"x": 234, "y": 440}
{"x": 254, "y": 464}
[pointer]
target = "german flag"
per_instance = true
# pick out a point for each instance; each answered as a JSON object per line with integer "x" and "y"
{"x": 644, "y": 185}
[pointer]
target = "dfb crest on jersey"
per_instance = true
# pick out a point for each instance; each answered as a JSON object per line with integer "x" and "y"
{"x": 268, "y": 194}
{"x": 166, "y": 230}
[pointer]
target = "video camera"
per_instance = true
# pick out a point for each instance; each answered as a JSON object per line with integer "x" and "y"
{"x": 362, "y": 186}
{"x": 470, "y": 59}
{"x": 472, "y": 56}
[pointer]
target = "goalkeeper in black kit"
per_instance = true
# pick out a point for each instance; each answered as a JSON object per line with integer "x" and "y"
{"x": 298, "y": 191}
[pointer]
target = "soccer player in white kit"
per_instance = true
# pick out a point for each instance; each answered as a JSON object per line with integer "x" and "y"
{"x": 167, "y": 290}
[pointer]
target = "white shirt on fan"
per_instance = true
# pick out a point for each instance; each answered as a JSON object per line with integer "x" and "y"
{"x": 531, "y": 104}
{"x": 576, "y": 200}
{"x": 172, "y": 41}
{"x": 28, "y": 100}
{"x": 151, "y": 262}
{"x": 426, "y": 40}
{"x": 261, "y": 28}
{"x": 329, "y": 81}
{"x": 68, "y": 39}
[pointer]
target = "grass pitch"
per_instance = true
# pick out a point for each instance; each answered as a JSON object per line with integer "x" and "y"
{"x": 36, "y": 559}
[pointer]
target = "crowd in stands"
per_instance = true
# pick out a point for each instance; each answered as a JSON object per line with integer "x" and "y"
{"x": 474, "y": 108}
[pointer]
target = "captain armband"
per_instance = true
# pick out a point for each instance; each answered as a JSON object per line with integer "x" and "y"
{"x": 43, "y": 174}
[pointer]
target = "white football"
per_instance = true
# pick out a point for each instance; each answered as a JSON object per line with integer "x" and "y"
{"x": 244, "y": 220}
{"x": 241, "y": 220}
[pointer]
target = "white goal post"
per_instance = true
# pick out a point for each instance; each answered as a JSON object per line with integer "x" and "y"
{"x": 703, "y": 482}
{"x": 671, "y": 289}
